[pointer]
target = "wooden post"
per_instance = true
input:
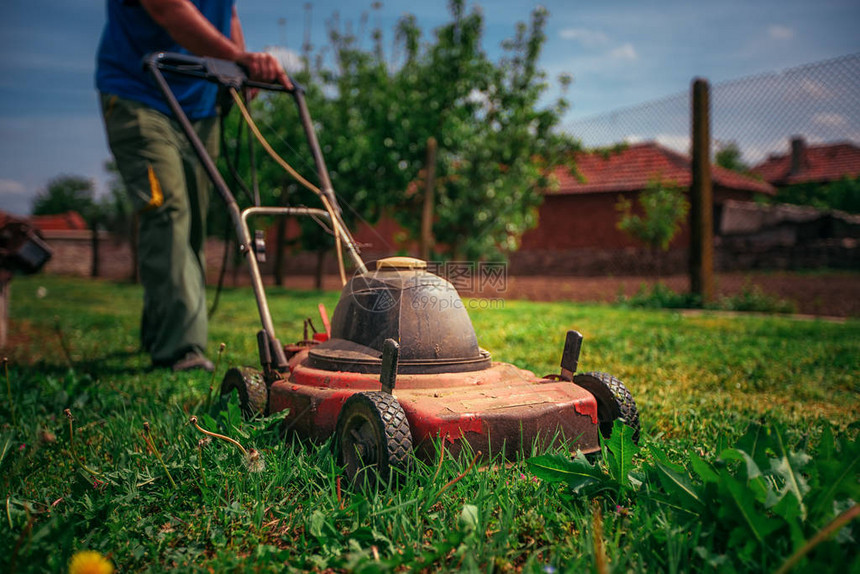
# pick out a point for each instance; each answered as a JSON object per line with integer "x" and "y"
{"x": 4, "y": 308}
{"x": 701, "y": 197}
{"x": 135, "y": 244}
{"x": 279, "y": 251}
{"x": 95, "y": 269}
{"x": 427, "y": 214}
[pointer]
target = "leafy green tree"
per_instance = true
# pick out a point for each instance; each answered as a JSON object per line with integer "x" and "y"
{"x": 842, "y": 195}
{"x": 729, "y": 156}
{"x": 663, "y": 209}
{"x": 376, "y": 113}
{"x": 66, "y": 193}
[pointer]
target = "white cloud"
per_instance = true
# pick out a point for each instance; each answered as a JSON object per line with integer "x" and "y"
{"x": 289, "y": 59}
{"x": 677, "y": 142}
{"x": 588, "y": 38}
{"x": 812, "y": 89}
{"x": 829, "y": 119}
{"x": 14, "y": 197}
{"x": 11, "y": 187}
{"x": 780, "y": 32}
{"x": 624, "y": 52}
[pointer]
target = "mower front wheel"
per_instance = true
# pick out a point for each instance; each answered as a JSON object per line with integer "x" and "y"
{"x": 614, "y": 401}
{"x": 373, "y": 438}
{"x": 249, "y": 384}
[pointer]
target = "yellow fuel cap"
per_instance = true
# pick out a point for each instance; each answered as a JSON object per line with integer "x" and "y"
{"x": 401, "y": 263}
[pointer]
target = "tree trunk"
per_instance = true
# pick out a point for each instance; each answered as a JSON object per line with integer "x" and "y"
{"x": 134, "y": 276}
{"x": 94, "y": 241}
{"x": 4, "y": 310}
{"x": 318, "y": 279}
{"x": 427, "y": 212}
{"x": 279, "y": 251}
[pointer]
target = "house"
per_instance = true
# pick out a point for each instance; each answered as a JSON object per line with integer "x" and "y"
{"x": 577, "y": 231}
{"x": 795, "y": 236}
{"x": 805, "y": 163}
{"x": 62, "y": 222}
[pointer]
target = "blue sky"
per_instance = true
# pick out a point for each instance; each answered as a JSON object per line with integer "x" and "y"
{"x": 620, "y": 53}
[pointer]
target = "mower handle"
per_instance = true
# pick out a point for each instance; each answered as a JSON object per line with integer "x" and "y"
{"x": 222, "y": 72}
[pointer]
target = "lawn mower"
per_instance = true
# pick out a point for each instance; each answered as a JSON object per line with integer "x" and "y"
{"x": 398, "y": 369}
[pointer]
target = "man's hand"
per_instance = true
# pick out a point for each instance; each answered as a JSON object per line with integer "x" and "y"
{"x": 191, "y": 30}
{"x": 264, "y": 67}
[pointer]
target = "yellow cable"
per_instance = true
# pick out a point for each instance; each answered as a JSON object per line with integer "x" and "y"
{"x": 289, "y": 169}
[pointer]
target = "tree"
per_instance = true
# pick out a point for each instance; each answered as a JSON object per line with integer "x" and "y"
{"x": 376, "y": 113}
{"x": 663, "y": 207}
{"x": 842, "y": 195}
{"x": 63, "y": 194}
{"x": 729, "y": 156}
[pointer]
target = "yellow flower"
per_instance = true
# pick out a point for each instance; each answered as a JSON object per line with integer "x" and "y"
{"x": 89, "y": 562}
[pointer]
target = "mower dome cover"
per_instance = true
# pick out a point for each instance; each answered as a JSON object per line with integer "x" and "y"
{"x": 419, "y": 310}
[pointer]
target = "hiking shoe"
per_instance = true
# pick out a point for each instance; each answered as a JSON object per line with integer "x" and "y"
{"x": 193, "y": 361}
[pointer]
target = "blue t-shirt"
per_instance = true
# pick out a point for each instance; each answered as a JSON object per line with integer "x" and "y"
{"x": 130, "y": 34}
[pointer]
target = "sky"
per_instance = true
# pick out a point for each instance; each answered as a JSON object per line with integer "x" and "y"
{"x": 620, "y": 54}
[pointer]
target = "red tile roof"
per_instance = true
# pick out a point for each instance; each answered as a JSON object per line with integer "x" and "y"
{"x": 71, "y": 220}
{"x": 819, "y": 164}
{"x": 632, "y": 168}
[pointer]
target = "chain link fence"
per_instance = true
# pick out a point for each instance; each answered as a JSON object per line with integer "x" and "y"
{"x": 752, "y": 120}
{"x": 758, "y": 114}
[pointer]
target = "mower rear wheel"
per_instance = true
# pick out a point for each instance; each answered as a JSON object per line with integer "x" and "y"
{"x": 251, "y": 388}
{"x": 373, "y": 438}
{"x": 613, "y": 401}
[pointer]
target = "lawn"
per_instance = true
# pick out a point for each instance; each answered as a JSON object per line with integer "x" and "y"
{"x": 748, "y": 453}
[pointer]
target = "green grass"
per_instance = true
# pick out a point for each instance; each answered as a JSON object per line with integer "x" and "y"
{"x": 699, "y": 381}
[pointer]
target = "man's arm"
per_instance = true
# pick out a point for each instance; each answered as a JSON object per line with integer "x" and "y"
{"x": 259, "y": 63}
{"x": 191, "y": 30}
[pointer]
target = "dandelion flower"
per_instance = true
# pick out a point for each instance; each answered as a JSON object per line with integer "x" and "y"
{"x": 89, "y": 562}
{"x": 254, "y": 461}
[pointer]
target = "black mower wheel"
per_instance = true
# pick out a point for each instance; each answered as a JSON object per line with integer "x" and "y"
{"x": 251, "y": 388}
{"x": 372, "y": 438}
{"x": 613, "y": 401}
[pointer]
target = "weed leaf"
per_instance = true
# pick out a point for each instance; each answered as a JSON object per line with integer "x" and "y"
{"x": 575, "y": 473}
{"x": 703, "y": 469}
{"x": 756, "y": 442}
{"x": 622, "y": 449}
{"x": 757, "y": 523}
{"x": 678, "y": 485}
{"x": 752, "y": 468}
{"x": 788, "y": 465}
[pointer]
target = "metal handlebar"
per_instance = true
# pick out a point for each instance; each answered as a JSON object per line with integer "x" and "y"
{"x": 222, "y": 72}
{"x": 232, "y": 75}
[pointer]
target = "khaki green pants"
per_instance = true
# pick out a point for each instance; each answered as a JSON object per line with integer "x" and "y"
{"x": 170, "y": 191}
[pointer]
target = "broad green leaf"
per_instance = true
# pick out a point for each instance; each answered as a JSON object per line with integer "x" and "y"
{"x": 664, "y": 460}
{"x": 752, "y": 468}
{"x": 788, "y": 508}
{"x": 556, "y": 468}
{"x": 758, "y": 524}
{"x": 838, "y": 478}
{"x": 827, "y": 445}
{"x": 756, "y": 442}
{"x": 788, "y": 465}
{"x": 761, "y": 488}
{"x": 622, "y": 449}
{"x": 703, "y": 469}
{"x": 678, "y": 485}
{"x": 468, "y": 519}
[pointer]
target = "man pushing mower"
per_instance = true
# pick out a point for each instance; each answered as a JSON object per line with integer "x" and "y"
{"x": 159, "y": 169}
